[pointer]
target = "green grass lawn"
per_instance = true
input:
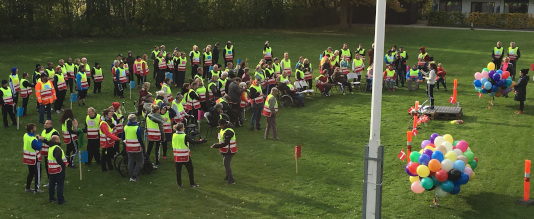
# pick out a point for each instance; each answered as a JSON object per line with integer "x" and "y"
{"x": 332, "y": 131}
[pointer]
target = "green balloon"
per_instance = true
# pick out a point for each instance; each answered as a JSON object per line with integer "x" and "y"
{"x": 485, "y": 69}
{"x": 414, "y": 157}
{"x": 473, "y": 164}
{"x": 427, "y": 183}
{"x": 470, "y": 156}
{"x": 454, "y": 143}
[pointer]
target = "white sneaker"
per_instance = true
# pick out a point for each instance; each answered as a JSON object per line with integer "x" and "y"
{"x": 58, "y": 111}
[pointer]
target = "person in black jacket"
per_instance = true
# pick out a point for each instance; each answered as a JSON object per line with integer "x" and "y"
{"x": 130, "y": 61}
{"x": 180, "y": 128}
{"x": 521, "y": 90}
{"x": 25, "y": 83}
{"x": 400, "y": 68}
{"x": 216, "y": 54}
{"x": 225, "y": 147}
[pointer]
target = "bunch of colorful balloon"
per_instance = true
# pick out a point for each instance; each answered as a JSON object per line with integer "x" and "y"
{"x": 442, "y": 165}
{"x": 494, "y": 83}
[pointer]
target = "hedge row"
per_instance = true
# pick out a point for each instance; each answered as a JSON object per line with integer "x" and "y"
{"x": 491, "y": 20}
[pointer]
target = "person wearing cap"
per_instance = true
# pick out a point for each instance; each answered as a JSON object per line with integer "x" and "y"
{"x": 8, "y": 106}
{"x": 155, "y": 130}
{"x": 82, "y": 83}
{"x": 521, "y": 90}
{"x": 270, "y": 110}
{"x": 135, "y": 147}
{"x": 229, "y": 53}
{"x": 60, "y": 84}
{"x": 32, "y": 157}
{"x": 87, "y": 70}
{"x": 194, "y": 57}
{"x": 46, "y": 95}
{"x": 130, "y": 62}
{"x": 182, "y": 154}
{"x": 256, "y": 94}
{"x": 14, "y": 84}
{"x": 227, "y": 147}
{"x": 514, "y": 54}
{"x": 98, "y": 77}
{"x": 107, "y": 139}
{"x": 92, "y": 122}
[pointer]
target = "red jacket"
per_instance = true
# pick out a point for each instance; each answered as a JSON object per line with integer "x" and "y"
{"x": 386, "y": 73}
{"x": 104, "y": 127}
{"x": 441, "y": 73}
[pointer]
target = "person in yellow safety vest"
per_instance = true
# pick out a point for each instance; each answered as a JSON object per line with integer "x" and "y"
{"x": 346, "y": 54}
{"x": 57, "y": 163}
{"x": 194, "y": 57}
{"x": 270, "y": 110}
{"x": 25, "y": 91}
{"x": 394, "y": 50}
{"x": 39, "y": 69}
{"x": 227, "y": 147}
{"x": 156, "y": 133}
{"x": 139, "y": 69}
{"x": 133, "y": 141}
{"x": 214, "y": 91}
{"x": 14, "y": 84}
{"x": 166, "y": 88}
{"x": 334, "y": 60}
{"x": 389, "y": 58}
{"x": 8, "y": 106}
{"x": 87, "y": 70}
{"x": 422, "y": 59}
{"x": 69, "y": 129}
{"x": 98, "y": 77}
{"x": 285, "y": 64}
{"x": 360, "y": 51}
{"x": 194, "y": 101}
{"x": 68, "y": 70}
{"x": 162, "y": 68}
{"x": 229, "y": 53}
{"x": 47, "y": 134}
{"x": 497, "y": 55}
{"x": 207, "y": 58}
{"x": 107, "y": 139}
{"x": 50, "y": 71}
{"x": 276, "y": 67}
{"x": 267, "y": 52}
{"x": 92, "y": 123}
{"x": 60, "y": 82}
{"x": 389, "y": 77}
{"x": 153, "y": 56}
{"x": 180, "y": 71}
{"x": 167, "y": 113}
{"x": 256, "y": 94}
{"x": 215, "y": 72}
{"x": 32, "y": 157}
{"x": 413, "y": 78}
{"x": 200, "y": 74}
{"x": 118, "y": 121}
{"x": 182, "y": 154}
{"x": 180, "y": 114}
{"x": 357, "y": 66}
{"x": 514, "y": 54}
{"x": 328, "y": 51}
{"x": 82, "y": 83}
{"x": 223, "y": 80}
{"x": 201, "y": 92}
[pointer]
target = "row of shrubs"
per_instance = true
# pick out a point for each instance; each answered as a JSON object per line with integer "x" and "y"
{"x": 491, "y": 20}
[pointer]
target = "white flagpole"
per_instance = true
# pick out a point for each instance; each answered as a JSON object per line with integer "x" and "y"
{"x": 372, "y": 188}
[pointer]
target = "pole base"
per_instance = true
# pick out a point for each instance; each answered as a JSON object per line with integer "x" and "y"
{"x": 525, "y": 203}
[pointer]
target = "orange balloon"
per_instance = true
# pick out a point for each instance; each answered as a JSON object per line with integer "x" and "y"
{"x": 513, "y": 84}
{"x": 434, "y": 165}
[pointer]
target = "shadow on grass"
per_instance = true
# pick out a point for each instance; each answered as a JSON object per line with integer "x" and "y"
{"x": 497, "y": 205}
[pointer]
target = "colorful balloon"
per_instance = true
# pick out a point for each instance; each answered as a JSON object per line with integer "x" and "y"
{"x": 459, "y": 165}
{"x": 423, "y": 159}
{"x": 448, "y": 138}
{"x": 446, "y": 165}
{"x": 505, "y": 75}
{"x": 440, "y": 192}
{"x": 428, "y": 152}
{"x": 470, "y": 156}
{"x": 423, "y": 171}
{"x": 413, "y": 168}
{"x": 464, "y": 178}
{"x": 454, "y": 175}
{"x": 468, "y": 171}
{"x": 425, "y": 143}
{"x": 458, "y": 152}
{"x": 433, "y": 137}
{"x": 487, "y": 85}
{"x": 491, "y": 66}
{"x": 447, "y": 186}
{"x": 442, "y": 175}
{"x": 442, "y": 148}
{"x": 434, "y": 165}
{"x": 436, "y": 182}
{"x": 414, "y": 178}
{"x": 462, "y": 145}
{"x": 407, "y": 169}
{"x": 447, "y": 145}
{"x": 417, "y": 188}
{"x": 473, "y": 164}
{"x": 438, "y": 155}
{"x": 450, "y": 156}
{"x": 427, "y": 183}
{"x": 478, "y": 76}
{"x": 455, "y": 190}
{"x": 462, "y": 158}
{"x": 414, "y": 156}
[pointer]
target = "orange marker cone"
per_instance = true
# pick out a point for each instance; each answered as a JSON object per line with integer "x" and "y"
{"x": 526, "y": 192}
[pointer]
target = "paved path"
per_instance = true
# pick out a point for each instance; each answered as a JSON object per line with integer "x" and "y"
{"x": 459, "y": 28}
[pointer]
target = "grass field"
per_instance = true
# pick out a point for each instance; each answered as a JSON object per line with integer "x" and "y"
{"x": 332, "y": 132}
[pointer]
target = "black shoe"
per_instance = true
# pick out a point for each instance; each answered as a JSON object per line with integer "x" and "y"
{"x": 230, "y": 183}
{"x": 52, "y": 200}
{"x": 180, "y": 186}
{"x": 258, "y": 128}
{"x": 62, "y": 202}
{"x": 157, "y": 162}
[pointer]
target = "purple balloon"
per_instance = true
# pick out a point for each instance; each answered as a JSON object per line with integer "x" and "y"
{"x": 425, "y": 143}
{"x": 408, "y": 171}
{"x": 491, "y": 73}
{"x": 428, "y": 152}
{"x": 433, "y": 136}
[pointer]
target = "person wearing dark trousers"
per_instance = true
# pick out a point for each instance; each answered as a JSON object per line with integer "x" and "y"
{"x": 130, "y": 62}
{"x": 229, "y": 54}
{"x": 70, "y": 134}
{"x": 193, "y": 97}
{"x": 256, "y": 96}
{"x": 521, "y": 90}
{"x": 216, "y": 54}
{"x": 431, "y": 81}
{"x": 441, "y": 77}
{"x": 46, "y": 94}
{"x": 71, "y": 71}
{"x": 48, "y": 134}
{"x": 154, "y": 56}
{"x": 98, "y": 77}
{"x": 400, "y": 69}
{"x": 107, "y": 139}
{"x": 32, "y": 157}
{"x": 227, "y": 147}
{"x": 162, "y": 68}
{"x": 92, "y": 123}
{"x": 167, "y": 113}
{"x": 514, "y": 54}
{"x": 194, "y": 57}
{"x": 8, "y": 106}
{"x": 270, "y": 110}
{"x": 133, "y": 139}
{"x": 61, "y": 89}
{"x": 181, "y": 65}
{"x": 497, "y": 54}
{"x": 207, "y": 59}
{"x": 182, "y": 155}
{"x": 56, "y": 167}
{"x": 82, "y": 85}
{"x": 156, "y": 134}
{"x": 25, "y": 92}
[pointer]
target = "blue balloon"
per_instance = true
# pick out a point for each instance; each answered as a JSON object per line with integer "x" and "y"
{"x": 464, "y": 178}
{"x": 497, "y": 77}
{"x": 494, "y": 88}
{"x": 508, "y": 82}
{"x": 487, "y": 85}
{"x": 459, "y": 165}
{"x": 424, "y": 159}
{"x": 499, "y": 71}
{"x": 447, "y": 186}
{"x": 483, "y": 91}
{"x": 477, "y": 83}
{"x": 436, "y": 182}
{"x": 456, "y": 189}
{"x": 501, "y": 83}
{"x": 438, "y": 156}
{"x": 483, "y": 80}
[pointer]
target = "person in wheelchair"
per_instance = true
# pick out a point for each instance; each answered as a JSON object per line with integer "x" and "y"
{"x": 286, "y": 88}
{"x": 340, "y": 79}
{"x": 300, "y": 77}
{"x": 214, "y": 114}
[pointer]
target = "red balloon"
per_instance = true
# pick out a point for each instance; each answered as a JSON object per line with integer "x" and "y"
{"x": 505, "y": 75}
{"x": 432, "y": 173}
{"x": 442, "y": 175}
{"x": 432, "y": 145}
{"x": 476, "y": 159}
{"x": 413, "y": 168}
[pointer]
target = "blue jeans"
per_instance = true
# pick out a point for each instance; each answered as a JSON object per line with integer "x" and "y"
{"x": 299, "y": 99}
{"x": 257, "y": 109}
{"x": 42, "y": 108}
{"x": 59, "y": 180}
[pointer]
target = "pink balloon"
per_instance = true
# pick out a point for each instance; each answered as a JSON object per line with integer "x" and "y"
{"x": 462, "y": 145}
{"x": 417, "y": 187}
{"x": 505, "y": 75}
{"x": 478, "y": 76}
{"x": 468, "y": 171}
{"x": 485, "y": 74}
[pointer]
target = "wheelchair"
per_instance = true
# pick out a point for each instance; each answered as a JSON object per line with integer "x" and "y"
{"x": 285, "y": 100}
{"x": 122, "y": 165}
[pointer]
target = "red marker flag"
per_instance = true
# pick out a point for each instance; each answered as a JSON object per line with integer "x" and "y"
{"x": 479, "y": 95}
{"x": 297, "y": 152}
{"x": 451, "y": 100}
{"x": 414, "y": 131}
{"x": 402, "y": 155}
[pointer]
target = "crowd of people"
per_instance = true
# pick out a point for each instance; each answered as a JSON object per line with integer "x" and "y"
{"x": 219, "y": 94}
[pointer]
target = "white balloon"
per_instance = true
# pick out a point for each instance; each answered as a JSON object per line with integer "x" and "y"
{"x": 447, "y": 145}
{"x": 446, "y": 165}
{"x": 440, "y": 192}
{"x": 439, "y": 140}
{"x": 458, "y": 152}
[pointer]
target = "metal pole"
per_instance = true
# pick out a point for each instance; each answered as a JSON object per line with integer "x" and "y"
{"x": 372, "y": 188}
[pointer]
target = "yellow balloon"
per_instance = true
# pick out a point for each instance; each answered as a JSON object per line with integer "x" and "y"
{"x": 472, "y": 176}
{"x": 491, "y": 66}
{"x": 421, "y": 151}
{"x": 430, "y": 147}
{"x": 423, "y": 171}
{"x": 414, "y": 179}
{"x": 448, "y": 138}
{"x": 451, "y": 156}
{"x": 467, "y": 165}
